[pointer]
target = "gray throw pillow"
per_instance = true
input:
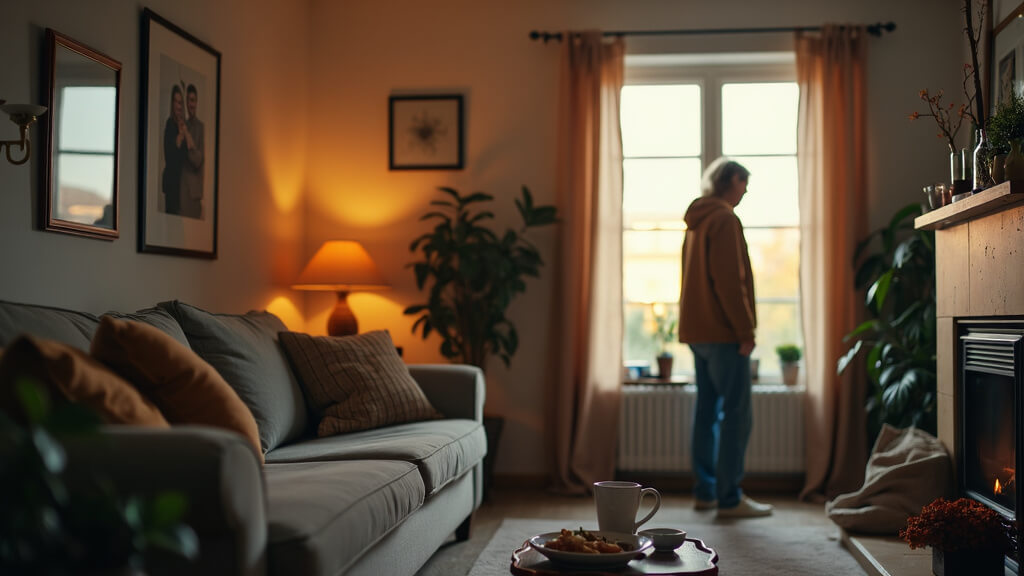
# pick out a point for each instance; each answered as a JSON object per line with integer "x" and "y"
{"x": 244, "y": 350}
{"x": 157, "y": 318}
{"x": 67, "y": 326}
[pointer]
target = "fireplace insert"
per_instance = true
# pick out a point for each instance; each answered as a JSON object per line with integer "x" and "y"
{"x": 989, "y": 431}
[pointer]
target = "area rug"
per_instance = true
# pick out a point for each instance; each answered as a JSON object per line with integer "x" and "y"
{"x": 744, "y": 547}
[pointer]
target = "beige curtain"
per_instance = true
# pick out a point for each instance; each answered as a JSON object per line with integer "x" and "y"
{"x": 830, "y": 71}
{"x": 586, "y": 376}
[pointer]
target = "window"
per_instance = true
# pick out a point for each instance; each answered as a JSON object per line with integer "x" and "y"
{"x": 676, "y": 119}
{"x": 84, "y": 161}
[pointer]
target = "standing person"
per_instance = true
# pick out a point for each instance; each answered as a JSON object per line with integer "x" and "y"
{"x": 717, "y": 319}
{"x": 192, "y": 167}
{"x": 174, "y": 153}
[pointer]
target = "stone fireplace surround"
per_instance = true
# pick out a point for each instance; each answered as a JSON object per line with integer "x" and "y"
{"x": 979, "y": 253}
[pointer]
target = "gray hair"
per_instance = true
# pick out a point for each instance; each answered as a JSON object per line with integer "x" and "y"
{"x": 718, "y": 176}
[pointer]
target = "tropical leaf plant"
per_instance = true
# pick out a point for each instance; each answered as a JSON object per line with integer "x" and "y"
{"x": 896, "y": 267}
{"x": 472, "y": 273}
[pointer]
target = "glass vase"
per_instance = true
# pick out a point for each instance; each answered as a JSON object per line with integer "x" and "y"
{"x": 958, "y": 171}
{"x": 982, "y": 158}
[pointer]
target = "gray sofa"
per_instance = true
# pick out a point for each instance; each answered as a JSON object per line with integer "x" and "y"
{"x": 373, "y": 502}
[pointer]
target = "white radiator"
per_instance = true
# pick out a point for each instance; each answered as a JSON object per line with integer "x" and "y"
{"x": 654, "y": 429}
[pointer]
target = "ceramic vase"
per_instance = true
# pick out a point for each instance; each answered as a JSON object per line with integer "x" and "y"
{"x": 966, "y": 563}
{"x": 1013, "y": 168}
{"x": 790, "y": 373}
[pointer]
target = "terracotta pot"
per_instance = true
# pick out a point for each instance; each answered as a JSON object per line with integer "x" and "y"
{"x": 790, "y": 372}
{"x": 665, "y": 367}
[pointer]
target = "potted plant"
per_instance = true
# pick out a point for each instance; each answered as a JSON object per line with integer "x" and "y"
{"x": 789, "y": 356}
{"x": 966, "y": 537}
{"x": 1005, "y": 131}
{"x": 472, "y": 275}
{"x": 898, "y": 339}
{"x": 665, "y": 326}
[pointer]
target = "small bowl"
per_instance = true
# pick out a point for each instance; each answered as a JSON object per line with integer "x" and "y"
{"x": 665, "y": 539}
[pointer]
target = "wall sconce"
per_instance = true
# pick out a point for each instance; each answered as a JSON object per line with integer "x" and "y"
{"x": 24, "y": 115}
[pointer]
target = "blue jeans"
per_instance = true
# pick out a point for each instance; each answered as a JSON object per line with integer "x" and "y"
{"x": 721, "y": 421}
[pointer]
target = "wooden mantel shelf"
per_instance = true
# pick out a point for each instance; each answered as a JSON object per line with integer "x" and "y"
{"x": 993, "y": 199}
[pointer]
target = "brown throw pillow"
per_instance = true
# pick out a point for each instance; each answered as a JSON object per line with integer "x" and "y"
{"x": 185, "y": 387}
{"x": 68, "y": 373}
{"x": 358, "y": 382}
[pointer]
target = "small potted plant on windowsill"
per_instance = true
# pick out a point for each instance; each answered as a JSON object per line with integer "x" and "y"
{"x": 789, "y": 356}
{"x": 665, "y": 333}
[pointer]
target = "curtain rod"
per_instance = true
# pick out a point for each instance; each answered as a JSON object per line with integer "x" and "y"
{"x": 873, "y": 29}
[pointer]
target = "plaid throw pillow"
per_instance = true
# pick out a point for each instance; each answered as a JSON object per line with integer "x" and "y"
{"x": 356, "y": 382}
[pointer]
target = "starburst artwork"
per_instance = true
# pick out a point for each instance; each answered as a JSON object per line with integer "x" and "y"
{"x": 426, "y": 132}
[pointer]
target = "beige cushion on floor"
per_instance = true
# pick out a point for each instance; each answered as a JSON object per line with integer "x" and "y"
{"x": 357, "y": 382}
{"x": 184, "y": 386}
{"x": 323, "y": 515}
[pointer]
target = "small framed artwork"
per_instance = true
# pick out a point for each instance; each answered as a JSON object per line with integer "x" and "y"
{"x": 179, "y": 139}
{"x": 425, "y": 132}
{"x": 81, "y": 159}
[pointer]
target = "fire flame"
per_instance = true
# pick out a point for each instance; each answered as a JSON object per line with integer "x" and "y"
{"x": 999, "y": 487}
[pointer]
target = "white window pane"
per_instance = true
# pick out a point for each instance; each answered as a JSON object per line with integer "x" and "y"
{"x": 661, "y": 120}
{"x": 656, "y": 190}
{"x": 87, "y": 118}
{"x": 85, "y": 188}
{"x": 777, "y": 323}
{"x": 771, "y": 198}
{"x": 651, "y": 265}
{"x": 759, "y": 118}
{"x": 775, "y": 261}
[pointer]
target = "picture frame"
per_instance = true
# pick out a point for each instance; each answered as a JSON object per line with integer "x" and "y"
{"x": 82, "y": 143}
{"x": 1006, "y": 58}
{"x": 179, "y": 141}
{"x": 425, "y": 132}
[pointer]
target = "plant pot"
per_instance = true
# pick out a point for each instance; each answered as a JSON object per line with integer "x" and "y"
{"x": 665, "y": 368}
{"x": 967, "y": 562}
{"x": 790, "y": 372}
{"x": 1013, "y": 168}
{"x": 998, "y": 171}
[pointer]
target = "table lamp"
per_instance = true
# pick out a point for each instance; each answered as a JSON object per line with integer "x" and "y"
{"x": 341, "y": 266}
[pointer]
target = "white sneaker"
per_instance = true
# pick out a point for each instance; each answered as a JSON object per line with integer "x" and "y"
{"x": 747, "y": 508}
{"x": 699, "y": 504}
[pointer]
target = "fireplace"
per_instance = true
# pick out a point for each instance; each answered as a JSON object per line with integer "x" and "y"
{"x": 990, "y": 360}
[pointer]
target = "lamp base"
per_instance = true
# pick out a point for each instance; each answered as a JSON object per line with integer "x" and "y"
{"x": 342, "y": 321}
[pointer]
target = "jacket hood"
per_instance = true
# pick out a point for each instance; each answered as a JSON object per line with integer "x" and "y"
{"x": 704, "y": 207}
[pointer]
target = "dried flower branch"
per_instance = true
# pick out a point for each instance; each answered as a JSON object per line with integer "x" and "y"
{"x": 963, "y": 524}
{"x": 947, "y": 119}
{"x": 973, "y": 39}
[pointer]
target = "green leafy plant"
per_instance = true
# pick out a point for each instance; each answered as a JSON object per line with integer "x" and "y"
{"x": 788, "y": 353}
{"x": 50, "y": 526}
{"x": 897, "y": 342}
{"x": 473, "y": 274}
{"x": 665, "y": 326}
{"x": 1006, "y": 125}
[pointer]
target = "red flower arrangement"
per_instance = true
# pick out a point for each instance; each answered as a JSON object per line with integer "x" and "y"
{"x": 962, "y": 524}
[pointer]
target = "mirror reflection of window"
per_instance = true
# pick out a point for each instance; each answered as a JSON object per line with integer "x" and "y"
{"x": 85, "y": 154}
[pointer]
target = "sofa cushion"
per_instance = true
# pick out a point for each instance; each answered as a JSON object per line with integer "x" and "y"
{"x": 358, "y": 382}
{"x": 184, "y": 386}
{"x": 244, "y": 350}
{"x": 67, "y": 326}
{"x": 323, "y": 515}
{"x": 157, "y": 318}
{"x": 442, "y": 449}
{"x": 66, "y": 372}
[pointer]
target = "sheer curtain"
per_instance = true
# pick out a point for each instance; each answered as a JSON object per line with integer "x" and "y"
{"x": 833, "y": 216}
{"x": 586, "y": 378}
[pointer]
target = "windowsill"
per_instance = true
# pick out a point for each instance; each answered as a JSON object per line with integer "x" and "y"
{"x": 764, "y": 384}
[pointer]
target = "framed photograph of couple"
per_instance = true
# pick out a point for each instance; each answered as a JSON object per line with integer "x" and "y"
{"x": 179, "y": 138}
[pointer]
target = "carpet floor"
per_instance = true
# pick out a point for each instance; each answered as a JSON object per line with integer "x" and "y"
{"x": 745, "y": 547}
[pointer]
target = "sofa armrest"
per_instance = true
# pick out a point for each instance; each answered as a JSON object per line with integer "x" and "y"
{"x": 216, "y": 470}
{"x": 456, "y": 390}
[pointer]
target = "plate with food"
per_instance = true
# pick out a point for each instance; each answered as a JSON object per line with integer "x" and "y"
{"x": 590, "y": 548}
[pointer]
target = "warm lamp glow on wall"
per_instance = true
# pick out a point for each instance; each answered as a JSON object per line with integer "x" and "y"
{"x": 341, "y": 266}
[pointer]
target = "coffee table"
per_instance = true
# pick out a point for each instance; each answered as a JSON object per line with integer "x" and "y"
{"x": 693, "y": 558}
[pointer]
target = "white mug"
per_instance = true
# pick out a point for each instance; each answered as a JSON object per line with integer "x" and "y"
{"x": 617, "y": 505}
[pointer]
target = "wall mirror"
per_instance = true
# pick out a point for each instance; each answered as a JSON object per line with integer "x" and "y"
{"x": 1007, "y": 58}
{"x": 80, "y": 196}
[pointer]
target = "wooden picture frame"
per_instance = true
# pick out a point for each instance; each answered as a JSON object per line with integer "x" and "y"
{"x": 425, "y": 132}
{"x": 1006, "y": 58}
{"x": 81, "y": 160}
{"x": 179, "y": 137}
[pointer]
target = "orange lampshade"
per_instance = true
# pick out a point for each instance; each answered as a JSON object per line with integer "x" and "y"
{"x": 341, "y": 265}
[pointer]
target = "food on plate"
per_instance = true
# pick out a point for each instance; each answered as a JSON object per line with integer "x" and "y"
{"x": 584, "y": 542}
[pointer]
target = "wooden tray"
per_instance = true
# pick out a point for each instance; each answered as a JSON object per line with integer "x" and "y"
{"x": 693, "y": 558}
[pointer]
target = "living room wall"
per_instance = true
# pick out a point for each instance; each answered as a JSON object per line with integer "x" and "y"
{"x": 364, "y": 51}
{"x": 262, "y": 148}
